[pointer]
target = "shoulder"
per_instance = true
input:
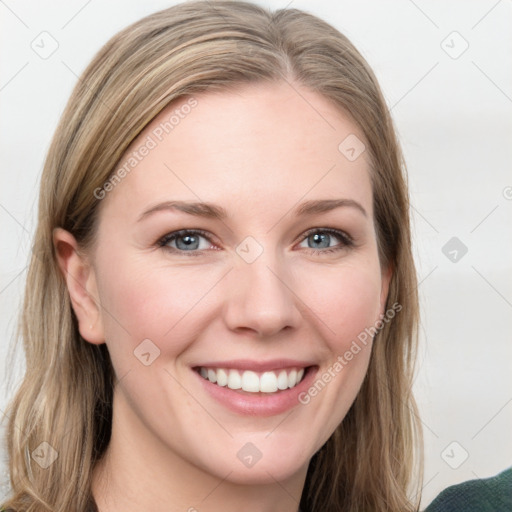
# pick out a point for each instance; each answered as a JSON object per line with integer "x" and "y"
{"x": 484, "y": 495}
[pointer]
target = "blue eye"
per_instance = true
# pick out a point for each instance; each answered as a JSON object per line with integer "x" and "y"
{"x": 190, "y": 241}
{"x": 321, "y": 238}
{"x": 186, "y": 240}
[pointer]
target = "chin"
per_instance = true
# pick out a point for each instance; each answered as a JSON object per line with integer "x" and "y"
{"x": 273, "y": 470}
{"x": 253, "y": 466}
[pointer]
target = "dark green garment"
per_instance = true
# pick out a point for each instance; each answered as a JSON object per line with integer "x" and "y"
{"x": 484, "y": 495}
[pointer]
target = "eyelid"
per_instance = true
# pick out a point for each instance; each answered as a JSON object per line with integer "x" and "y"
{"x": 163, "y": 241}
{"x": 345, "y": 238}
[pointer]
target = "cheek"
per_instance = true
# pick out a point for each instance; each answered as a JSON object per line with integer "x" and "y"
{"x": 152, "y": 302}
{"x": 347, "y": 301}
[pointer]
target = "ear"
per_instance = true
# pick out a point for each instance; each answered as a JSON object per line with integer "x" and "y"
{"x": 387, "y": 273}
{"x": 81, "y": 284}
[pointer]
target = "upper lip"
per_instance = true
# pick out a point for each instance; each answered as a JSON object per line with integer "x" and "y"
{"x": 256, "y": 365}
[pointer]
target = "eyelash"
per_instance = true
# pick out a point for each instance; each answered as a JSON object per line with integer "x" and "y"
{"x": 346, "y": 241}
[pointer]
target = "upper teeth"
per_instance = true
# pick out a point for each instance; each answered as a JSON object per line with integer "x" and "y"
{"x": 266, "y": 382}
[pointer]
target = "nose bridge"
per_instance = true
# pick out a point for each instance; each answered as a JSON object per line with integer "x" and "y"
{"x": 261, "y": 297}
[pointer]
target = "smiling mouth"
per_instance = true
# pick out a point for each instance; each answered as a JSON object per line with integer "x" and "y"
{"x": 254, "y": 382}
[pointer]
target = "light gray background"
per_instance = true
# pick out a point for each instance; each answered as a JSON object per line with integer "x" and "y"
{"x": 453, "y": 114}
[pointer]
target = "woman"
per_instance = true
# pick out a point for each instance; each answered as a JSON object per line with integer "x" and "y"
{"x": 221, "y": 305}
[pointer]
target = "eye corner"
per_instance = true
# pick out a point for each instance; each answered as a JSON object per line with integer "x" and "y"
{"x": 346, "y": 240}
{"x": 163, "y": 241}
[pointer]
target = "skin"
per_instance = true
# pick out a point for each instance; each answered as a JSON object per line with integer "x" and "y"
{"x": 258, "y": 152}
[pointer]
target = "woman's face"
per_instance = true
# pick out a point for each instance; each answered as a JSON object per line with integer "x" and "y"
{"x": 270, "y": 283}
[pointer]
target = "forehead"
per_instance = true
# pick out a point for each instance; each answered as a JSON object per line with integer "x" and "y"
{"x": 261, "y": 147}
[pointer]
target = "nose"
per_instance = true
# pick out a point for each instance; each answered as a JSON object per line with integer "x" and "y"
{"x": 261, "y": 298}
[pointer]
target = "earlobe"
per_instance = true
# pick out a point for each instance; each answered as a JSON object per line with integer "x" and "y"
{"x": 81, "y": 284}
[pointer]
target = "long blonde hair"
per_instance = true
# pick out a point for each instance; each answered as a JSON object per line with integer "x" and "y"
{"x": 373, "y": 459}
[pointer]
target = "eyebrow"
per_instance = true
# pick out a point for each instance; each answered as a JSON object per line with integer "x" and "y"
{"x": 212, "y": 211}
{"x": 326, "y": 205}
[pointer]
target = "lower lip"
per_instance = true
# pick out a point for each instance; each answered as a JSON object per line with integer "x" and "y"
{"x": 259, "y": 404}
